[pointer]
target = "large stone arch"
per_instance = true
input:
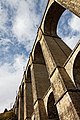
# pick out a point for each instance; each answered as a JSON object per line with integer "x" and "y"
{"x": 40, "y": 71}
{"x": 52, "y": 17}
{"x": 51, "y": 108}
{"x": 38, "y": 55}
{"x": 52, "y": 46}
{"x": 53, "y": 12}
{"x": 21, "y": 103}
{"x": 76, "y": 70}
{"x": 22, "y": 100}
{"x": 16, "y": 106}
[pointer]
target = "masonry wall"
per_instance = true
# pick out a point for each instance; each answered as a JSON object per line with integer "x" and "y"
{"x": 72, "y": 5}
{"x": 50, "y": 88}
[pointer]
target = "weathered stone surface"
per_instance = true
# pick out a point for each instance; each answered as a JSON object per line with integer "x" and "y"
{"x": 73, "y": 5}
{"x": 66, "y": 109}
{"x": 51, "y": 82}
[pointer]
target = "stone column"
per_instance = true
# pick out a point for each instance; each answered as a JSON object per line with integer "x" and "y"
{"x": 20, "y": 110}
{"x": 53, "y": 48}
{"x": 39, "y": 87}
{"x": 25, "y": 99}
{"x": 16, "y": 107}
{"x": 28, "y": 97}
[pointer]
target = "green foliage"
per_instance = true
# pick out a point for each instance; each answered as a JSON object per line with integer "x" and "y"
{"x": 8, "y": 115}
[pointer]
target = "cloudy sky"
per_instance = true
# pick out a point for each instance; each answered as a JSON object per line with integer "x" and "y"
{"x": 19, "y": 21}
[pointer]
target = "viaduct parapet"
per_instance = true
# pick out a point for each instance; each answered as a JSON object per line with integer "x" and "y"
{"x": 50, "y": 88}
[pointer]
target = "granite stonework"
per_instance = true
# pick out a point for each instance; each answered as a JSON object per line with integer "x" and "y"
{"x": 50, "y": 88}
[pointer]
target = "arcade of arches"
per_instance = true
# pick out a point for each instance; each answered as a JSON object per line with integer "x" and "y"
{"x": 50, "y": 88}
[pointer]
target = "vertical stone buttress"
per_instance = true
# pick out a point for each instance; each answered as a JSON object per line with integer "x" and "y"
{"x": 28, "y": 96}
{"x": 16, "y": 107}
{"x": 39, "y": 110}
{"x": 21, "y": 107}
{"x": 25, "y": 99}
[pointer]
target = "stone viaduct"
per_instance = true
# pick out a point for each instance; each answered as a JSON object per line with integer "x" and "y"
{"x": 50, "y": 88}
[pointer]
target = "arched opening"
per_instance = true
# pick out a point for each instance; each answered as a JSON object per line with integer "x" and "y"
{"x": 17, "y": 106}
{"x": 62, "y": 23}
{"x": 22, "y": 91}
{"x": 51, "y": 108}
{"x": 40, "y": 82}
{"x": 38, "y": 56}
{"x": 41, "y": 74}
{"x": 22, "y": 101}
{"x": 28, "y": 75}
{"x": 56, "y": 46}
{"x": 52, "y": 18}
{"x": 68, "y": 28}
{"x": 76, "y": 71}
{"x": 29, "y": 94}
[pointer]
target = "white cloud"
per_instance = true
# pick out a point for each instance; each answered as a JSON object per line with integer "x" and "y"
{"x": 75, "y": 22}
{"x": 3, "y": 18}
{"x": 20, "y": 62}
{"x": 10, "y": 79}
{"x": 25, "y": 19}
{"x": 24, "y": 24}
{"x": 69, "y": 28}
{"x": 12, "y": 3}
{"x": 4, "y": 45}
{"x": 71, "y": 41}
{"x": 5, "y": 41}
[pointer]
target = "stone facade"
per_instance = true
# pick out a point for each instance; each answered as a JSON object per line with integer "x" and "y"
{"x": 50, "y": 88}
{"x": 73, "y": 5}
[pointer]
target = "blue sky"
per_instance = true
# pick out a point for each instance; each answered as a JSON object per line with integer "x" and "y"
{"x": 69, "y": 28}
{"x": 19, "y": 21}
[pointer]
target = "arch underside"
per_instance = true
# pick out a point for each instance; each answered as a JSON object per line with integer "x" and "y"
{"x": 76, "y": 70}
{"x": 52, "y": 18}
{"x": 51, "y": 108}
{"x": 40, "y": 70}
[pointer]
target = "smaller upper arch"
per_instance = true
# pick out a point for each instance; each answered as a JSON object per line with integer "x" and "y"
{"x": 38, "y": 55}
{"x": 22, "y": 90}
{"x": 52, "y": 18}
{"x": 28, "y": 75}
